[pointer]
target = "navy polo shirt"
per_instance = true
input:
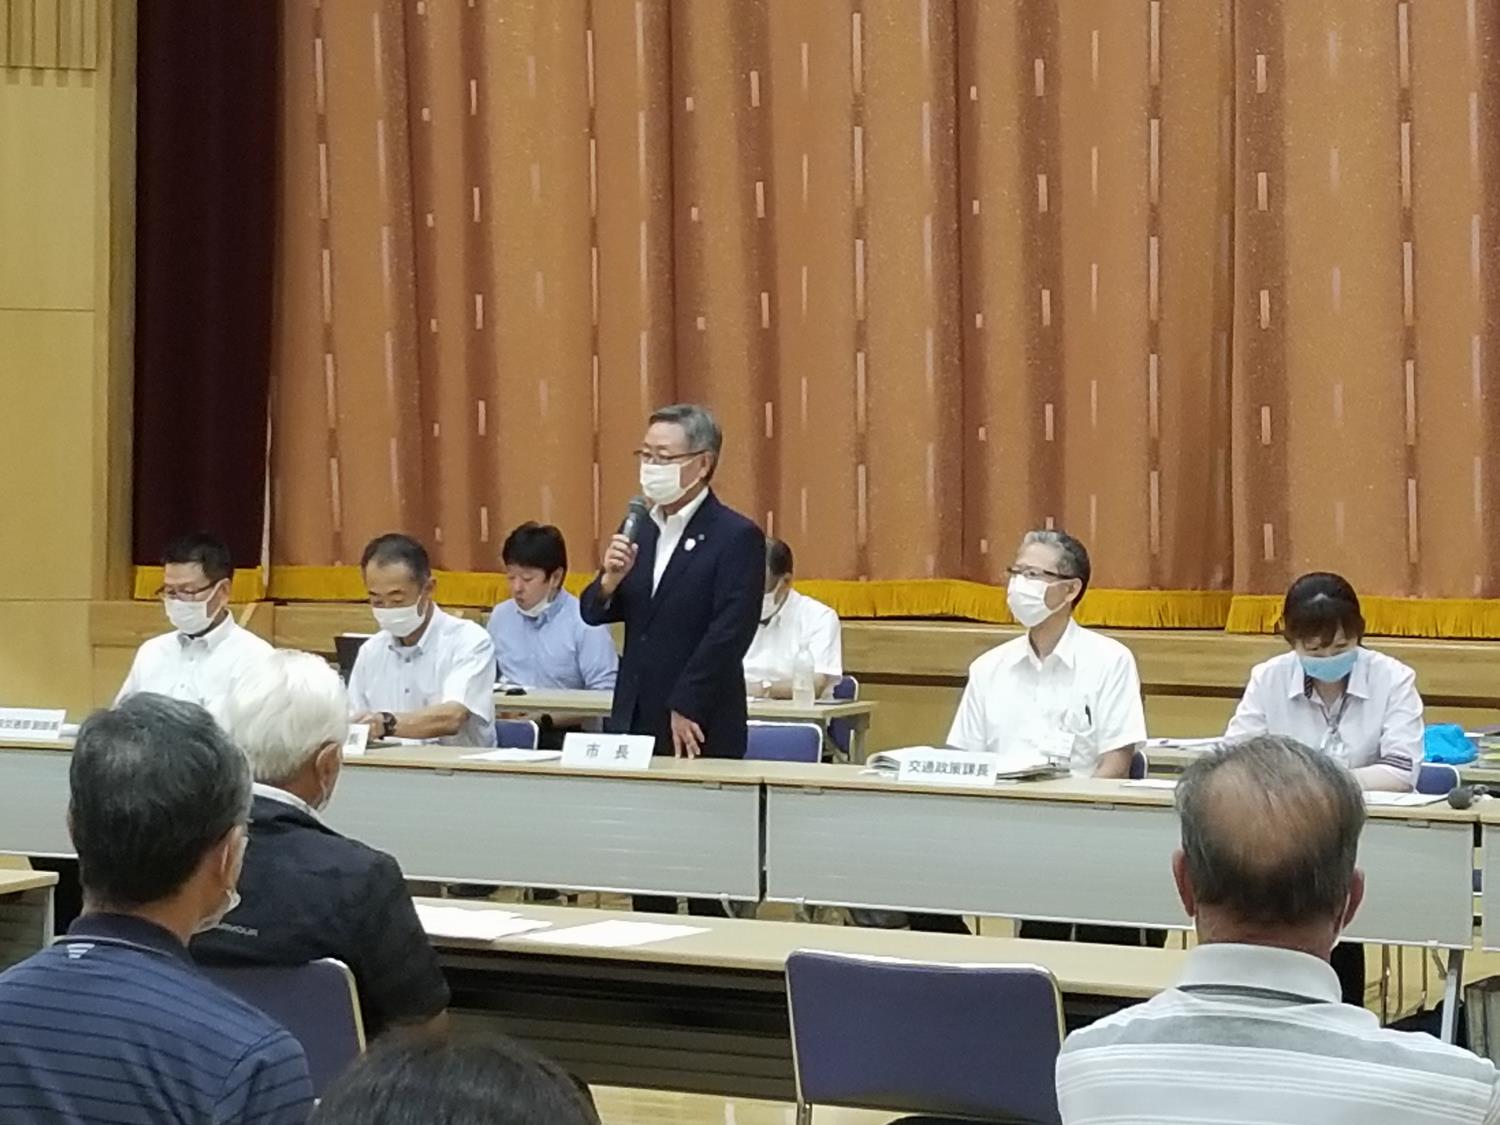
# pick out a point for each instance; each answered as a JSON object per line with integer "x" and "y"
{"x": 307, "y": 892}
{"x": 115, "y": 1024}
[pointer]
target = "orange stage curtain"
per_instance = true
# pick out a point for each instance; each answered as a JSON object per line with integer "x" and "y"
{"x": 1205, "y": 281}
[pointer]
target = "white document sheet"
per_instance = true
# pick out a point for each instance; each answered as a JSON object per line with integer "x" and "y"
{"x": 475, "y": 925}
{"x": 1378, "y": 799}
{"x": 1151, "y": 783}
{"x": 616, "y": 935}
{"x": 514, "y": 754}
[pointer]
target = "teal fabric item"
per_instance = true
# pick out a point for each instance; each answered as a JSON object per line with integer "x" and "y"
{"x": 1445, "y": 742}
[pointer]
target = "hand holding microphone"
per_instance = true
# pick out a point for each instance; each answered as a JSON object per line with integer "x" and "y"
{"x": 620, "y": 554}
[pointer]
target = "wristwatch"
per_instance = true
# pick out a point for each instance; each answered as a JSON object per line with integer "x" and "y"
{"x": 387, "y": 724}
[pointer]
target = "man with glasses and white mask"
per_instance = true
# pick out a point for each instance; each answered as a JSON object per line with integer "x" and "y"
{"x": 689, "y": 594}
{"x": 1059, "y": 695}
{"x": 789, "y": 622}
{"x": 198, "y": 661}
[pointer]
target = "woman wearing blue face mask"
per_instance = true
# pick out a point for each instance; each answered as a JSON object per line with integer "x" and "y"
{"x": 1334, "y": 695}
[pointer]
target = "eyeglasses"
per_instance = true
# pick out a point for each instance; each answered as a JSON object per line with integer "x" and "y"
{"x": 650, "y": 457}
{"x": 1037, "y": 572}
{"x": 180, "y": 594}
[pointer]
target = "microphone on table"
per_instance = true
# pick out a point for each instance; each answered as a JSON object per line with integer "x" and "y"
{"x": 636, "y": 515}
{"x": 1464, "y": 796}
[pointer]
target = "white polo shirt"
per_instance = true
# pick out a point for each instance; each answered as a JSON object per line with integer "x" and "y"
{"x": 1257, "y": 1034}
{"x": 199, "y": 670}
{"x": 1378, "y": 723}
{"x": 800, "y": 620}
{"x": 1082, "y": 701}
{"x": 453, "y": 662}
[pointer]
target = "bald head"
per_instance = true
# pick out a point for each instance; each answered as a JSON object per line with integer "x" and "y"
{"x": 1270, "y": 832}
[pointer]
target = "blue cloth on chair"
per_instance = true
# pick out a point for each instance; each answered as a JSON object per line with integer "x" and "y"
{"x": 1445, "y": 742}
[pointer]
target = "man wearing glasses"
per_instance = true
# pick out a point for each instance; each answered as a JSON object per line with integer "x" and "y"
{"x": 689, "y": 592}
{"x": 1061, "y": 694}
{"x": 200, "y": 659}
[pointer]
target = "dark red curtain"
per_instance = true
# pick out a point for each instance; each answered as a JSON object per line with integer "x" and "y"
{"x": 206, "y": 189}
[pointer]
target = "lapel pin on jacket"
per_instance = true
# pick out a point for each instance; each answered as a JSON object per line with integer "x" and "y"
{"x": 691, "y": 543}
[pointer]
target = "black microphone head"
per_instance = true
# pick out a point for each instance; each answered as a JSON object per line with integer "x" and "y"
{"x": 637, "y": 512}
{"x": 1462, "y": 796}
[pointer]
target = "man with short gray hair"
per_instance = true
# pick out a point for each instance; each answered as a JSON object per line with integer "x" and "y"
{"x": 114, "y": 1023}
{"x": 1255, "y": 1030}
{"x": 309, "y": 892}
{"x": 688, "y": 591}
{"x": 1061, "y": 694}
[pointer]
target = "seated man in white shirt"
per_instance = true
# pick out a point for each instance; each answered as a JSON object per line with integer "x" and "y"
{"x": 427, "y": 676}
{"x": 1254, "y": 1029}
{"x": 788, "y": 621}
{"x": 1059, "y": 694}
{"x": 200, "y": 659}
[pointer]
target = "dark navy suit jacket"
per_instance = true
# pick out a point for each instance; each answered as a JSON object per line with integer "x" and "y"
{"x": 685, "y": 646}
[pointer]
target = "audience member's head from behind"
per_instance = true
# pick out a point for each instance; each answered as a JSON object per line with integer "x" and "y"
{"x": 422, "y": 1080}
{"x": 1270, "y": 837}
{"x": 779, "y": 569}
{"x": 160, "y": 800}
{"x": 196, "y": 575}
{"x": 398, "y": 578}
{"x": 1049, "y": 577}
{"x": 1322, "y": 622}
{"x": 289, "y": 713}
{"x": 536, "y": 562}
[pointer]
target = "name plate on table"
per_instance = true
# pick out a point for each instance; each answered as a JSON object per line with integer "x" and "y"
{"x": 585, "y": 751}
{"x": 356, "y": 740}
{"x": 30, "y": 724}
{"x": 933, "y": 766}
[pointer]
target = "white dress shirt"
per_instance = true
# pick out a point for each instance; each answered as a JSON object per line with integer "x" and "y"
{"x": 1378, "y": 723}
{"x": 1082, "y": 701}
{"x": 1257, "y": 1034}
{"x": 453, "y": 662}
{"x": 199, "y": 670}
{"x": 800, "y": 620}
{"x": 670, "y": 530}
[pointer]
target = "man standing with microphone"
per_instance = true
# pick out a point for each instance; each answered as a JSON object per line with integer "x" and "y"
{"x": 687, "y": 583}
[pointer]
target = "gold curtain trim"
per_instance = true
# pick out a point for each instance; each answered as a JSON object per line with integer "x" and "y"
{"x": 1440, "y": 618}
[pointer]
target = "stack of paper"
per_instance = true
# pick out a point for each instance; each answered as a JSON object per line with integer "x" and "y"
{"x": 474, "y": 924}
{"x": 616, "y": 935}
{"x": 514, "y": 754}
{"x": 1376, "y": 799}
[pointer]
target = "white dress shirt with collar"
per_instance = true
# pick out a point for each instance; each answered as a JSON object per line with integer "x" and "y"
{"x": 453, "y": 662}
{"x": 1378, "y": 723}
{"x": 1084, "y": 700}
{"x": 670, "y": 530}
{"x": 800, "y": 620}
{"x": 271, "y": 793}
{"x": 1256, "y": 1033}
{"x": 199, "y": 670}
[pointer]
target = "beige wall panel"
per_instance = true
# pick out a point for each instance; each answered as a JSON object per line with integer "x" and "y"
{"x": 45, "y": 661}
{"x": 48, "y": 148}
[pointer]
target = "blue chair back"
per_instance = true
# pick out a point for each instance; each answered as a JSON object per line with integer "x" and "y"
{"x": 968, "y": 1041}
{"x": 1140, "y": 765}
{"x": 1437, "y": 779}
{"x": 841, "y": 731}
{"x": 317, "y": 1002}
{"x": 784, "y": 742}
{"x": 516, "y": 734}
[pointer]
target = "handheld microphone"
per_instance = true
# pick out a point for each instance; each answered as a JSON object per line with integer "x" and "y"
{"x": 636, "y": 515}
{"x": 1464, "y": 795}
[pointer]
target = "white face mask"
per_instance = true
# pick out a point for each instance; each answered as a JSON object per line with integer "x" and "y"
{"x": 662, "y": 484}
{"x": 770, "y": 606}
{"x": 540, "y": 607}
{"x": 189, "y": 618}
{"x": 1027, "y": 599}
{"x": 399, "y": 621}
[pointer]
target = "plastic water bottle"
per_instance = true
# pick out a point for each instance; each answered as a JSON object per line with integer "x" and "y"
{"x": 804, "y": 678}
